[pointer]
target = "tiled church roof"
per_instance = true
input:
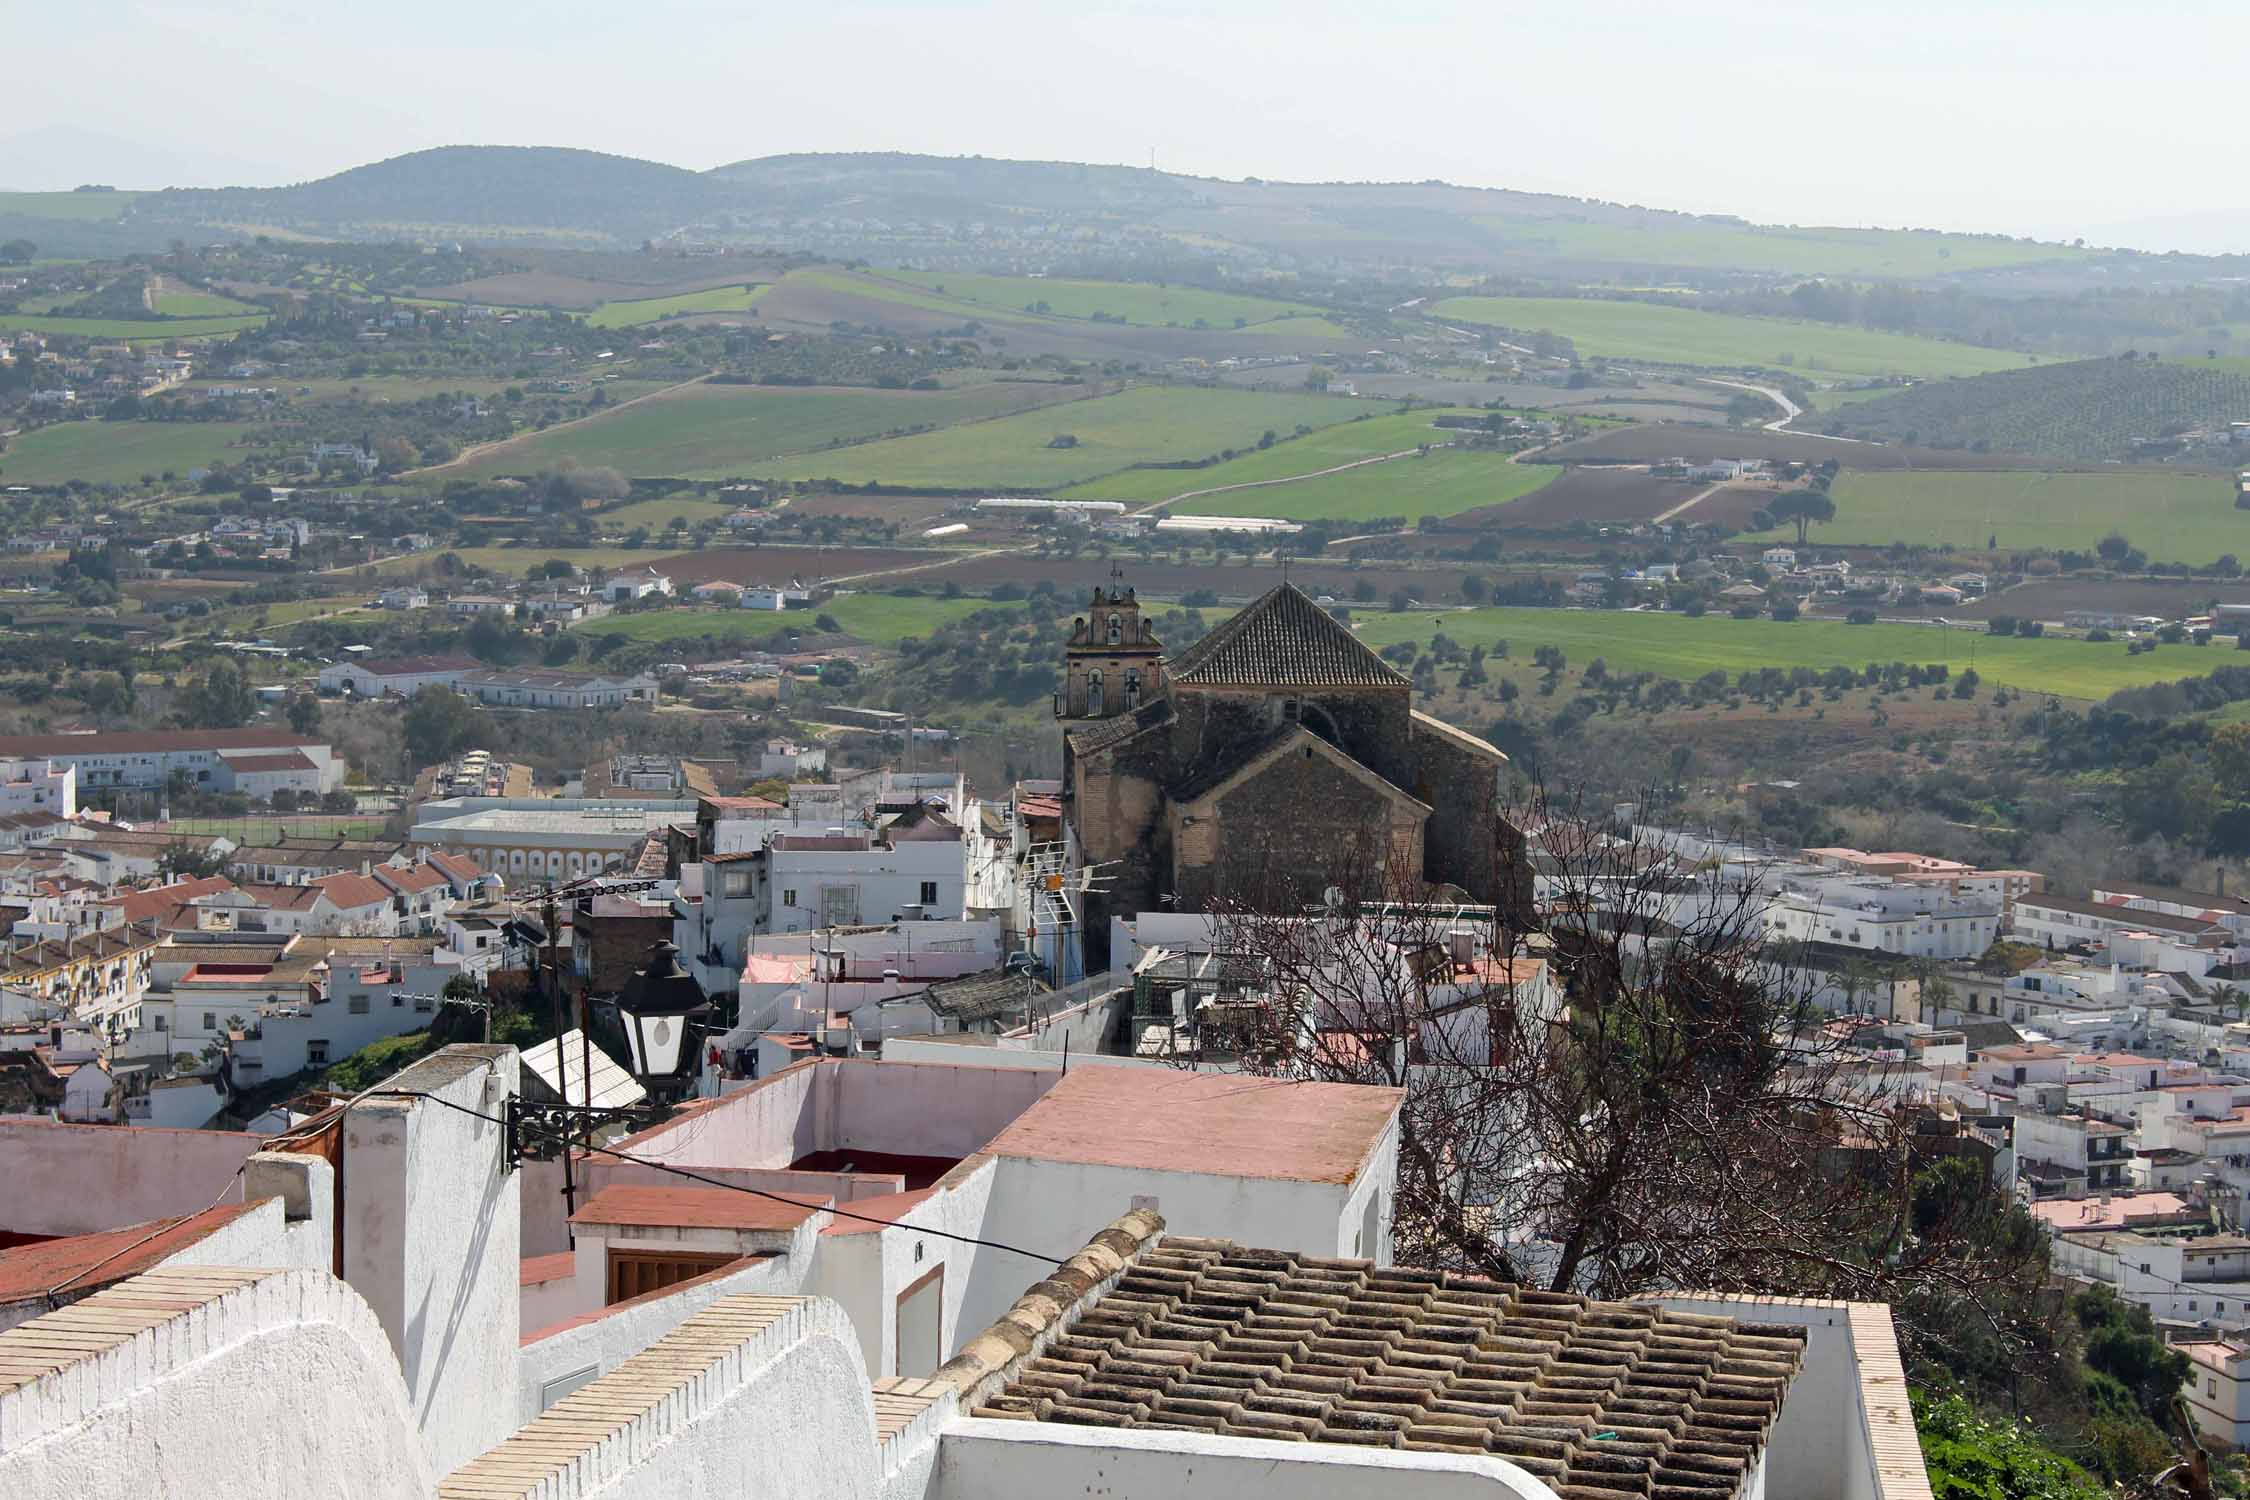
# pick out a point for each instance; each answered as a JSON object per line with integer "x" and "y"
{"x": 1283, "y": 640}
{"x": 1600, "y": 1400}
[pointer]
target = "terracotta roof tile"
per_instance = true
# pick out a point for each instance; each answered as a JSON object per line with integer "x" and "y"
{"x": 1594, "y": 1398}
{"x": 87, "y": 1261}
{"x": 1283, "y": 639}
{"x": 350, "y": 889}
{"x": 159, "y": 900}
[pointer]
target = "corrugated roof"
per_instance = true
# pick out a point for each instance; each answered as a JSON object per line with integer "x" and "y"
{"x": 613, "y": 1086}
{"x": 1283, "y": 639}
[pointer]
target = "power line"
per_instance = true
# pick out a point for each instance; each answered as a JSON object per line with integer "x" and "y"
{"x": 666, "y": 1167}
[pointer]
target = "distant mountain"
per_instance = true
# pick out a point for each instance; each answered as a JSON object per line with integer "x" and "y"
{"x": 492, "y": 188}
{"x": 979, "y": 213}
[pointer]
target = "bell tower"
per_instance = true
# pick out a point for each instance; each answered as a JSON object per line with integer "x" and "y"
{"x": 1114, "y": 663}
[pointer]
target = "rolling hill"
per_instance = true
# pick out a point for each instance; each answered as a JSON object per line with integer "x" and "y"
{"x": 492, "y": 188}
{"x": 2086, "y": 411}
{"x": 900, "y": 207}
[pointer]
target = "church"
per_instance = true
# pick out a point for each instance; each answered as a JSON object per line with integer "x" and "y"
{"x": 1272, "y": 759}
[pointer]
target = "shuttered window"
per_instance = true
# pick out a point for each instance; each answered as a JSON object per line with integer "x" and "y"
{"x": 635, "y": 1273}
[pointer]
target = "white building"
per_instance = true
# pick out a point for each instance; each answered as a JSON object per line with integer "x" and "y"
{"x": 405, "y": 596}
{"x": 1879, "y": 916}
{"x": 640, "y": 583}
{"x": 149, "y": 760}
{"x": 548, "y": 689}
{"x": 542, "y": 838}
{"x": 395, "y": 676}
{"x": 856, "y": 1333}
{"x": 38, "y": 784}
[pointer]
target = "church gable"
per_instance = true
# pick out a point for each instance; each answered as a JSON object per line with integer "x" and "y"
{"x": 1284, "y": 640}
{"x": 1291, "y": 819}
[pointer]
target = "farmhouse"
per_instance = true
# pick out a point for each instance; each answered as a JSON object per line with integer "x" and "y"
{"x": 545, "y": 689}
{"x": 395, "y": 676}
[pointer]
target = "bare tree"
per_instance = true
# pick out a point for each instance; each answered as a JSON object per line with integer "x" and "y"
{"x": 1621, "y": 1091}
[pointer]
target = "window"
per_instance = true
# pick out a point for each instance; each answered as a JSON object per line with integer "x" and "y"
{"x": 633, "y": 1273}
{"x": 210, "y": 1021}
{"x": 160, "y": 1026}
{"x": 316, "y": 1052}
{"x": 1132, "y": 688}
{"x": 1094, "y": 692}
{"x": 788, "y": 898}
{"x": 358, "y": 1005}
{"x": 929, "y": 893}
{"x": 397, "y": 999}
{"x": 1116, "y": 629}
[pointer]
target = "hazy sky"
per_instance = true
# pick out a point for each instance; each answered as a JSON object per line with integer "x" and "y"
{"x": 2054, "y": 117}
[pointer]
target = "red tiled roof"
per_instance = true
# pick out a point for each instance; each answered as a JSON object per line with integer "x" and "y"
{"x": 85, "y": 1261}
{"x": 414, "y": 878}
{"x": 158, "y": 901}
{"x": 27, "y": 746}
{"x": 890, "y": 1208}
{"x": 287, "y": 760}
{"x": 349, "y": 890}
{"x": 1158, "y": 1121}
{"x": 455, "y": 866}
{"x": 690, "y": 1208}
{"x": 535, "y": 1269}
{"x": 283, "y": 897}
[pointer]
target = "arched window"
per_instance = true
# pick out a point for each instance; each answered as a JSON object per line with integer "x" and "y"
{"x": 1132, "y": 688}
{"x": 1094, "y": 691}
{"x": 1116, "y": 629}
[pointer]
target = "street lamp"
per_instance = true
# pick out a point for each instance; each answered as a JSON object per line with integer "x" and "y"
{"x": 662, "y": 1012}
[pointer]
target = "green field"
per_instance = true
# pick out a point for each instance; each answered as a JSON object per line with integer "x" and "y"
{"x": 117, "y": 452}
{"x": 187, "y": 302}
{"x": 717, "y": 431}
{"x": 1147, "y": 424}
{"x": 1324, "y": 448}
{"x": 1443, "y": 482}
{"x": 127, "y": 328}
{"x": 1713, "y": 245}
{"x": 878, "y": 619}
{"x": 2173, "y": 517}
{"x": 719, "y": 299}
{"x": 657, "y": 514}
{"x": 1139, "y": 303}
{"x": 252, "y": 832}
{"x": 67, "y": 205}
{"x": 1672, "y": 645}
{"x": 1688, "y": 336}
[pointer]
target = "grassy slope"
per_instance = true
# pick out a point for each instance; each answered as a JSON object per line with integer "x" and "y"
{"x": 715, "y": 431}
{"x": 722, "y": 299}
{"x": 115, "y": 452}
{"x": 2174, "y": 517}
{"x": 187, "y": 302}
{"x": 657, "y": 514}
{"x": 1324, "y": 448}
{"x": 127, "y": 328}
{"x": 510, "y": 562}
{"x": 1686, "y": 336}
{"x": 1143, "y": 425}
{"x": 1673, "y": 645}
{"x": 68, "y": 205}
{"x": 1139, "y": 303}
{"x": 1441, "y": 483}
